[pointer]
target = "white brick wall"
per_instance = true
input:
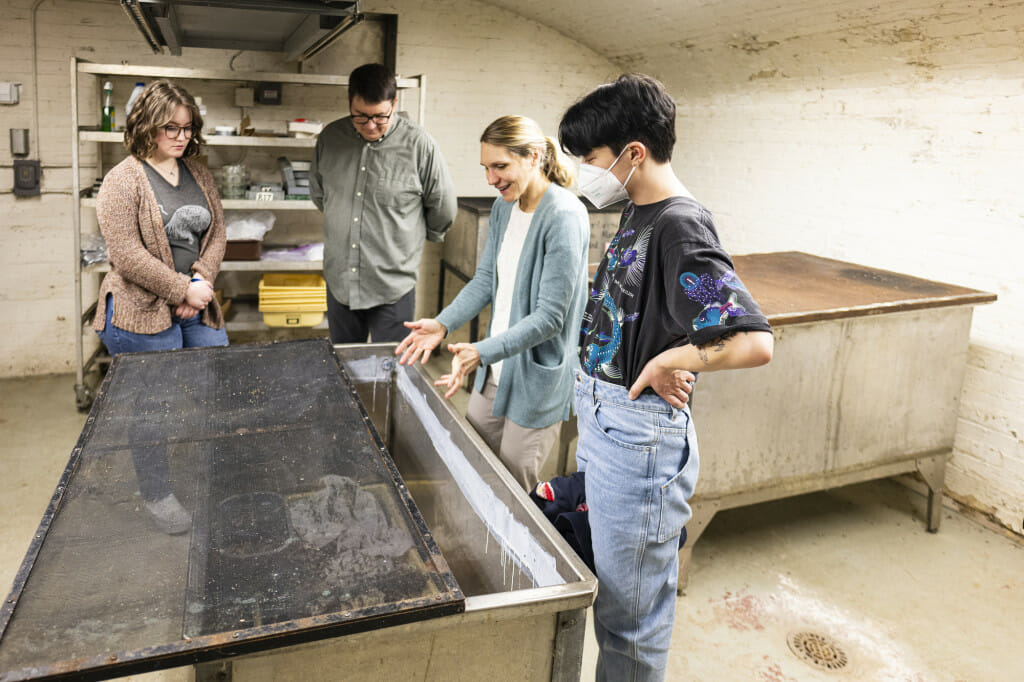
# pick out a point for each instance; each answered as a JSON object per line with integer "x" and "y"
{"x": 480, "y": 63}
{"x": 884, "y": 134}
{"x": 889, "y": 137}
{"x": 888, "y": 134}
{"x": 483, "y": 63}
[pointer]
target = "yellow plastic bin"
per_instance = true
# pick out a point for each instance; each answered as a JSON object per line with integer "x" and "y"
{"x": 292, "y": 300}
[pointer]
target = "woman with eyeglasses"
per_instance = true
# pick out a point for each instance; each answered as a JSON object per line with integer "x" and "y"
{"x": 533, "y": 273}
{"x": 161, "y": 217}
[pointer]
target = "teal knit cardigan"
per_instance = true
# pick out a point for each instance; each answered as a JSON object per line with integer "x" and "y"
{"x": 539, "y": 349}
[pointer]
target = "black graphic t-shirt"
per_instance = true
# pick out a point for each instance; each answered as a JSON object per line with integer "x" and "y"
{"x": 185, "y": 213}
{"x": 664, "y": 282}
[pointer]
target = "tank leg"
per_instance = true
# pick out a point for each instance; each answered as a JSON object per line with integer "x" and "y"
{"x": 83, "y": 397}
{"x": 566, "y": 433}
{"x": 568, "y": 653}
{"x": 933, "y": 471}
{"x": 217, "y": 671}
{"x": 703, "y": 511}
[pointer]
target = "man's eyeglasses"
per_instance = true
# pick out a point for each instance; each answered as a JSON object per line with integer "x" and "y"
{"x": 172, "y": 130}
{"x": 379, "y": 119}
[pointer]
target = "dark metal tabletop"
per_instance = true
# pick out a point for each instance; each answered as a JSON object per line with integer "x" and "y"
{"x": 297, "y": 525}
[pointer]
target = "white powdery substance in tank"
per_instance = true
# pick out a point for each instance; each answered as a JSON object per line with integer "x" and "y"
{"x": 515, "y": 539}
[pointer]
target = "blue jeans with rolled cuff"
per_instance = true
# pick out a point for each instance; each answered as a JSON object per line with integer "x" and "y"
{"x": 641, "y": 463}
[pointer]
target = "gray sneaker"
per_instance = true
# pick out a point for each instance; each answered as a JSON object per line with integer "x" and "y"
{"x": 169, "y": 515}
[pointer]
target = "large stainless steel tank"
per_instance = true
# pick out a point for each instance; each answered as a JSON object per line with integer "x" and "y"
{"x": 329, "y": 537}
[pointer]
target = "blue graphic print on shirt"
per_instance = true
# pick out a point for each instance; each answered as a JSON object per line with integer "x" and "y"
{"x": 707, "y": 290}
{"x": 602, "y": 350}
{"x": 665, "y": 281}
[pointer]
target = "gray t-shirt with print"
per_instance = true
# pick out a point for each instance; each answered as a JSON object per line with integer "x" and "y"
{"x": 185, "y": 213}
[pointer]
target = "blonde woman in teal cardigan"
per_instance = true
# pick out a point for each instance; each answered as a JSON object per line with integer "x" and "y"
{"x": 533, "y": 272}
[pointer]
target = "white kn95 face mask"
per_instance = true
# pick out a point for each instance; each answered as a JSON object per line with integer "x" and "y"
{"x": 600, "y": 186}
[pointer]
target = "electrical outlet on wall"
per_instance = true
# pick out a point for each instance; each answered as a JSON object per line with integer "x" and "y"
{"x": 10, "y": 93}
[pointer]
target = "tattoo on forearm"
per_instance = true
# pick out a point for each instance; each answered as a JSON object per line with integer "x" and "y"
{"x": 718, "y": 345}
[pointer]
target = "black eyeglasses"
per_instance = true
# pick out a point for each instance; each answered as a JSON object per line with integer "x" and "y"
{"x": 172, "y": 130}
{"x": 379, "y": 119}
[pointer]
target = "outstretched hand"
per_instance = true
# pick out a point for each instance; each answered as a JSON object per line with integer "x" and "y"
{"x": 673, "y": 385}
{"x": 465, "y": 360}
{"x": 425, "y": 336}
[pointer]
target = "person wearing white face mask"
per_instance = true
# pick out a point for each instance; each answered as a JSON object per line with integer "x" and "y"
{"x": 600, "y": 186}
{"x": 665, "y": 304}
{"x": 533, "y": 272}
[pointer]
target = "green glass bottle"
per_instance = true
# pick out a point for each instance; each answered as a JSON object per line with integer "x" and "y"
{"x": 107, "y": 119}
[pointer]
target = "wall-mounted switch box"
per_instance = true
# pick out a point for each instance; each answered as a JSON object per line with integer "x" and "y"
{"x": 268, "y": 93}
{"x": 10, "y": 93}
{"x": 244, "y": 97}
{"x": 26, "y": 178}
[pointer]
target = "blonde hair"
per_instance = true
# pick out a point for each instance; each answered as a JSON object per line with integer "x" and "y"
{"x": 522, "y": 136}
{"x": 154, "y": 109}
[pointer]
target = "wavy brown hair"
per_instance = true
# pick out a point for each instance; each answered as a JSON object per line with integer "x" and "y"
{"x": 521, "y": 136}
{"x": 153, "y": 110}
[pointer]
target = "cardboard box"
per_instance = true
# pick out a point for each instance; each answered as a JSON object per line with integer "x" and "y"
{"x": 247, "y": 249}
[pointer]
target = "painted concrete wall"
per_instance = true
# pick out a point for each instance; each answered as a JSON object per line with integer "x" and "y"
{"x": 489, "y": 63}
{"x": 887, "y": 135}
{"x": 883, "y": 134}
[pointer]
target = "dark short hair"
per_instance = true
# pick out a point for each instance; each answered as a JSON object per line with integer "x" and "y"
{"x": 634, "y": 107}
{"x": 373, "y": 83}
{"x": 154, "y": 109}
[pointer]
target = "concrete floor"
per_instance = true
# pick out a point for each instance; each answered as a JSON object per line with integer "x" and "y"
{"x": 854, "y": 564}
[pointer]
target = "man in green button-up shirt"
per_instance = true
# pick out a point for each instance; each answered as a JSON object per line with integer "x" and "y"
{"x": 383, "y": 187}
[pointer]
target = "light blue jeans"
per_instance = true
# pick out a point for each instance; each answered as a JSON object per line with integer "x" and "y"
{"x": 640, "y": 457}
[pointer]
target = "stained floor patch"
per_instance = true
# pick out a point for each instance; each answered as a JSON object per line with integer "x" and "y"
{"x": 741, "y": 611}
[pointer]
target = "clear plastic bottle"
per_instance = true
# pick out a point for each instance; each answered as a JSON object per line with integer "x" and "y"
{"x": 139, "y": 87}
{"x": 107, "y": 117}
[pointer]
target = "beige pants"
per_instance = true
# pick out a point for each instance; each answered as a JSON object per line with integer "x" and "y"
{"x": 523, "y": 451}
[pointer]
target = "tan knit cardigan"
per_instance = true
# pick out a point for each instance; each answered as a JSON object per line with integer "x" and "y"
{"x": 142, "y": 278}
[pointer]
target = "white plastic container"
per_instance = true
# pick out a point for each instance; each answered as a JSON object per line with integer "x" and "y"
{"x": 305, "y": 128}
{"x": 139, "y": 87}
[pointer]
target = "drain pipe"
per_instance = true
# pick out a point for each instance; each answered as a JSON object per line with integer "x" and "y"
{"x": 35, "y": 83}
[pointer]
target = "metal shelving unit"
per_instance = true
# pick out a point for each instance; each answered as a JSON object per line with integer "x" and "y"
{"x": 245, "y": 318}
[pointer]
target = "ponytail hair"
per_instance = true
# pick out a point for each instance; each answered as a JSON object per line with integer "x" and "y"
{"x": 554, "y": 167}
{"x": 522, "y": 136}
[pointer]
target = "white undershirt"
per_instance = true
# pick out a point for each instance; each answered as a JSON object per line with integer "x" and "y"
{"x": 508, "y": 263}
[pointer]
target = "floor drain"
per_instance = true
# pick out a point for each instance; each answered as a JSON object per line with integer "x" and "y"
{"x": 820, "y": 651}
